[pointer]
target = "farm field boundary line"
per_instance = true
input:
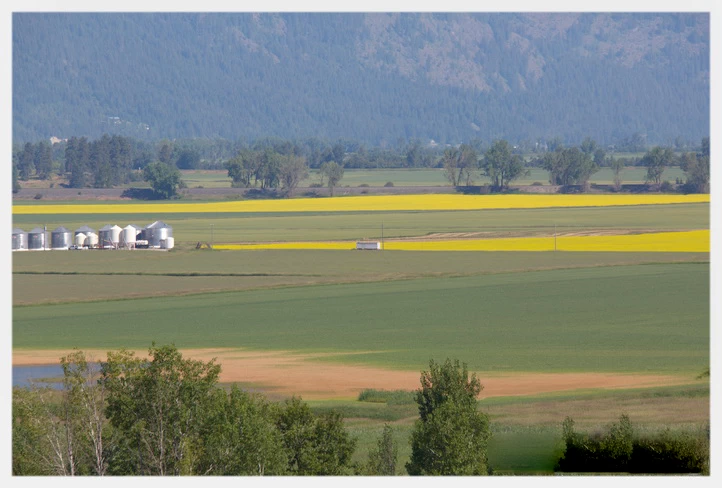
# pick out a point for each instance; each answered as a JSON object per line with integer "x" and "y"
{"x": 287, "y": 373}
{"x": 140, "y": 273}
{"x": 373, "y": 203}
{"x": 327, "y": 280}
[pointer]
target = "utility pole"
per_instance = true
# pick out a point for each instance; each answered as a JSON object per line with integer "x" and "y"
{"x": 382, "y": 236}
{"x": 211, "y": 236}
{"x": 555, "y": 236}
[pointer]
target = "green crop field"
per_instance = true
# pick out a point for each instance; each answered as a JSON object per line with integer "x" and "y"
{"x": 621, "y": 318}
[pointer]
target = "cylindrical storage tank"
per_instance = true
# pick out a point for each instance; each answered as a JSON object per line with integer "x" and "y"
{"x": 20, "y": 240}
{"x": 115, "y": 234}
{"x": 127, "y": 236}
{"x": 84, "y": 229}
{"x": 61, "y": 238}
{"x": 105, "y": 237}
{"x": 36, "y": 239}
{"x": 80, "y": 239}
{"x": 156, "y": 232}
{"x": 91, "y": 240}
{"x": 169, "y": 243}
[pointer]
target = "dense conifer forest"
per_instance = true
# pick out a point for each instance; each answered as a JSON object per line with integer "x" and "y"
{"x": 375, "y": 78}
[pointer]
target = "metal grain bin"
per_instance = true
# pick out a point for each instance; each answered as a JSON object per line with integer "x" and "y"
{"x": 20, "y": 240}
{"x": 36, "y": 239}
{"x": 91, "y": 240}
{"x": 61, "y": 238}
{"x": 156, "y": 232}
{"x": 127, "y": 236}
{"x": 84, "y": 229}
{"x": 109, "y": 236}
{"x": 80, "y": 239}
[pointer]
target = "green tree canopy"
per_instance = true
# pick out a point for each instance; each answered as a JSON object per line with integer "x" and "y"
{"x": 501, "y": 166}
{"x": 163, "y": 178}
{"x": 450, "y": 437}
{"x": 333, "y": 173}
{"x": 656, "y": 161}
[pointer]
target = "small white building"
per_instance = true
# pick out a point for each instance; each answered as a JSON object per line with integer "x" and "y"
{"x": 368, "y": 245}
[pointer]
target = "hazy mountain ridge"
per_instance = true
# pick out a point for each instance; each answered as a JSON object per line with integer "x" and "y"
{"x": 373, "y": 77}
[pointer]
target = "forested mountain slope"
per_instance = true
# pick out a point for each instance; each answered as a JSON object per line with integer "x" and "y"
{"x": 369, "y": 77}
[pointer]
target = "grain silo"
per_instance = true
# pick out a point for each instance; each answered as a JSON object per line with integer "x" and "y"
{"x": 91, "y": 240}
{"x": 109, "y": 236}
{"x": 127, "y": 237}
{"x": 84, "y": 229}
{"x": 36, "y": 239}
{"x": 80, "y": 239}
{"x": 167, "y": 243}
{"x": 20, "y": 240}
{"x": 61, "y": 239}
{"x": 156, "y": 232}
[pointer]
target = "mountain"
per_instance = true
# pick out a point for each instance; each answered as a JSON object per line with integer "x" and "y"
{"x": 371, "y": 77}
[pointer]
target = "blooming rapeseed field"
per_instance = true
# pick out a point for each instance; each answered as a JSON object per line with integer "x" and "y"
{"x": 368, "y": 204}
{"x": 690, "y": 241}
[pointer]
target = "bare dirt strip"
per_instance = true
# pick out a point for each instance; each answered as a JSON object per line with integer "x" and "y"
{"x": 279, "y": 373}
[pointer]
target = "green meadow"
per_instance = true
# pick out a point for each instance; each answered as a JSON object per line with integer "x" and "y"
{"x": 615, "y": 318}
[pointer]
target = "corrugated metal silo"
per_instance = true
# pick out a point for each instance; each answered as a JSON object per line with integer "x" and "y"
{"x": 127, "y": 236}
{"x": 20, "y": 240}
{"x": 61, "y": 238}
{"x": 109, "y": 236}
{"x": 80, "y": 239}
{"x": 156, "y": 232}
{"x": 36, "y": 239}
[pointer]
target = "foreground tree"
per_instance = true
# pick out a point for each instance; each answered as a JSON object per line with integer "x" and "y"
{"x": 240, "y": 437}
{"x": 450, "y": 437}
{"x": 163, "y": 178}
{"x": 501, "y": 166}
{"x": 314, "y": 445}
{"x": 382, "y": 459}
{"x": 159, "y": 407}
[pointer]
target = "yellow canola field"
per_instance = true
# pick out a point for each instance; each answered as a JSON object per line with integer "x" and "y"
{"x": 690, "y": 241}
{"x": 368, "y": 204}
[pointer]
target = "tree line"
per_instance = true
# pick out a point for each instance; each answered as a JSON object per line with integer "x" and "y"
{"x": 273, "y": 163}
{"x": 167, "y": 416}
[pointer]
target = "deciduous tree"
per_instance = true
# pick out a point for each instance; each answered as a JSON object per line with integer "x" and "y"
{"x": 501, "y": 166}
{"x": 163, "y": 178}
{"x": 450, "y": 437}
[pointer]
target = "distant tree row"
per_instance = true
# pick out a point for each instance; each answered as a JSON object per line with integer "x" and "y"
{"x": 276, "y": 163}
